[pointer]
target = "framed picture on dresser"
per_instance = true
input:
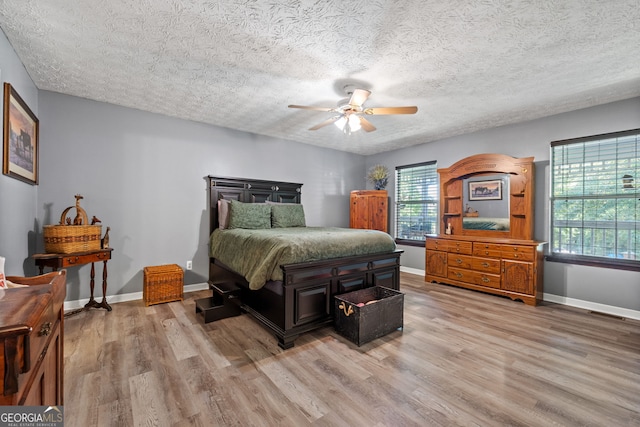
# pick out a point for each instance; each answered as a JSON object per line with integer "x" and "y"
{"x": 20, "y": 138}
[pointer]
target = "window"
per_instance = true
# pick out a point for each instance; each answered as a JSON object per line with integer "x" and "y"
{"x": 416, "y": 201}
{"x": 595, "y": 206}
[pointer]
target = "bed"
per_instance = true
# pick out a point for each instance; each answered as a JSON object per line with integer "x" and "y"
{"x": 296, "y": 296}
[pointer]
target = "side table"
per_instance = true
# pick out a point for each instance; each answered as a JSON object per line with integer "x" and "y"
{"x": 58, "y": 261}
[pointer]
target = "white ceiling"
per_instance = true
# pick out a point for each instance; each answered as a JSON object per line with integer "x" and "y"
{"x": 467, "y": 65}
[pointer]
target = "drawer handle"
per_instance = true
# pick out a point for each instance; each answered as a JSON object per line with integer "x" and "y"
{"x": 486, "y": 252}
{"x": 515, "y": 255}
{"x": 458, "y": 260}
{"x": 72, "y": 260}
{"x": 45, "y": 330}
{"x": 485, "y": 280}
{"x": 459, "y": 275}
{"x": 485, "y": 264}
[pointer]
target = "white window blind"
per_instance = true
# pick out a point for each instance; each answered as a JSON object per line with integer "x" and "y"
{"x": 416, "y": 201}
{"x": 595, "y": 211}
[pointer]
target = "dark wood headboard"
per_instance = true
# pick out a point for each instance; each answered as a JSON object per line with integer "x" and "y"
{"x": 248, "y": 191}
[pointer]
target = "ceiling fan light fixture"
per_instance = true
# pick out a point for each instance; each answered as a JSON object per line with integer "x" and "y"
{"x": 348, "y": 125}
{"x": 349, "y": 118}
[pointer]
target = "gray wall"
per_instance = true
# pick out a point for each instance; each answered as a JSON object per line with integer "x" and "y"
{"x": 611, "y": 287}
{"x": 17, "y": 199}
{"x": 143, "y": 174}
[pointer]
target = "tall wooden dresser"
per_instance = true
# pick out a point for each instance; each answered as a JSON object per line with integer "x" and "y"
{"x": 369, "y": 210}
{"x": 486, "y": 218}
{"x": 31, "y": 341}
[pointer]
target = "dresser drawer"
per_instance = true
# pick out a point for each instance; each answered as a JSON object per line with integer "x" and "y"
{"x": 521, "y": 253}
{"x": 475, "y": 277}
{"x": 71, "y": 260}
{"x": 459, "y": 274}
{"x": 487, "y": 250}
{"x": 460, "y": 261}
{"x": 437, "y": 244}
{"x": 485, "y": 279}
{"x": 39, "y": 336}
{"x": 460, "y": 247}
{"x": 486, "y": 265}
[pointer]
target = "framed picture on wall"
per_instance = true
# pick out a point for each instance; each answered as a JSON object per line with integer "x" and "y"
{"x": 485, "y": 190}
{"x": 20, "y": 141}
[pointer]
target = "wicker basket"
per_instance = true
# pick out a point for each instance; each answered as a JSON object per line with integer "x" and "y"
{"x": 163, "y": 283}
{"x": 67, "y": 239}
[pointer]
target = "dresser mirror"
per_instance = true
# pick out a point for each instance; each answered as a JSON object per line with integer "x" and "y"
{"x": 486, "y": 202}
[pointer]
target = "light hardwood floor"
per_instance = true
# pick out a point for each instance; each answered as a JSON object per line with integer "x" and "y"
{"x": 463, "y": 358}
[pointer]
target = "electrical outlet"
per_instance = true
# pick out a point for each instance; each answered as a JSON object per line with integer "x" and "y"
{"x": 189, "y": 265}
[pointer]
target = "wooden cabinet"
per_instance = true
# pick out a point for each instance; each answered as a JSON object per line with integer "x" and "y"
{"x": 487, "y": 252}
{"x": 369, "y": 210}
{"x": 31, "y": 341}
{"x": 437, "y": 256}
{"x": 505, "y": 267}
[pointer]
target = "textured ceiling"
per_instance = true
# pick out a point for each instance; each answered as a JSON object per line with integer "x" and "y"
{"x": 467, "y": 65}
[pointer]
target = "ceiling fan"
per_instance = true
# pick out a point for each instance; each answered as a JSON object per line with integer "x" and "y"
{"x": 349, "y": 116}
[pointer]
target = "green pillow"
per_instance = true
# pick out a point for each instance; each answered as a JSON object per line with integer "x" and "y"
{"x": 287, "y": 215}
{"x": 249, "y": 215}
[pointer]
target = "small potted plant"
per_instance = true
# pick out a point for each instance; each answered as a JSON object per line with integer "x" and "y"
{"x": 378, "y": 175}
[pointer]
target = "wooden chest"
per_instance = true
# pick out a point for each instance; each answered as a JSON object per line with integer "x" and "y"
{"x": 163, "y": 283}
{"x": 361, "y": 322}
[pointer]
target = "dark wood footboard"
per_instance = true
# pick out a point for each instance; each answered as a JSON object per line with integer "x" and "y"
{"x": 304, "y": 299}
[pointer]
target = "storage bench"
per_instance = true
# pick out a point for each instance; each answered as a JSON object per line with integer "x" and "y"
{"x": 163, "y": 283}
{"x": 370, "y": 321}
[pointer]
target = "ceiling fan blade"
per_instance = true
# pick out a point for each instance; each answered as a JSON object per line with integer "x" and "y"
{"x": 366, "y": 124}
{"x": 325, "y": 123}
{"x": 306, "y": 107}
{"x": 358, "y": 97}
{"x": 391, "y": 110}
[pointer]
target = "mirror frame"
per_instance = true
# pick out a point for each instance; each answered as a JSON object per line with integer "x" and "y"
{"x": 520, "y": 193}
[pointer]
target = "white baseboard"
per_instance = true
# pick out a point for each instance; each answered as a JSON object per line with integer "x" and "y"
{"x": 572, "y": 302}
{"x": 74, "y": 305}
{"x": 412, "y": 271}
{"x": 593, "y": 306}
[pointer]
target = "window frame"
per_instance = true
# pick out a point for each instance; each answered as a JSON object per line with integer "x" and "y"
{"x": 432, "y": 173}
{"x": 616, "y": 195}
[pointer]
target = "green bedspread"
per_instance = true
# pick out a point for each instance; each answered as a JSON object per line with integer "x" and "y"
{"x": 258, "y": 254}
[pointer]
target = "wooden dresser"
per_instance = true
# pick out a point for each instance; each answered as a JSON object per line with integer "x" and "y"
{"x": 487, "y": 242}
{"x": 506, "y": 267}
{"x": 31, "y": 341}
{"x": 369, "y": 210}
